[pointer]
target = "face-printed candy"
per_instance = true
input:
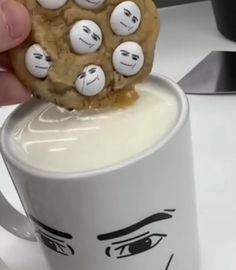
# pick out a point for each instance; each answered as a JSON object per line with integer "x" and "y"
{"x": 37, "y": 61}
{"x": 126, "y": 18}
{"x": 91, "y": 81}
{"x": 52, "y": 4}
{"x": 89, "y": 4}
{"x": 85, "y": 37}
{"x": 128, "y": 58}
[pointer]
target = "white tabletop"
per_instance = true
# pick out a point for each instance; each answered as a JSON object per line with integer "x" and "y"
{"x": 188, "y": 34}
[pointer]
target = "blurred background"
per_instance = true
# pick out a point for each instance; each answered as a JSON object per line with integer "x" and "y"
{"x": 166, "y": 3}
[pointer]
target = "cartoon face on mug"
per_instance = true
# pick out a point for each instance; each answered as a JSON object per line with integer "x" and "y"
{"x": 140, "y": 237}
{"x": 85, "y": 37}
{"x": 89, "y": 4}
{"x": 91, "y": 81}
{"x": 125, "y": 18}
{"x": 37, "y": 61}
{"x": 128, "y": 58}
{"x": 52, "y": 4}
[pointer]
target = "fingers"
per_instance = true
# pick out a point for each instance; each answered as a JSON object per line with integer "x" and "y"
{"x": 11, "y": 90}
{"x": 5, "y": 62}
{"x": 15, "y": 24}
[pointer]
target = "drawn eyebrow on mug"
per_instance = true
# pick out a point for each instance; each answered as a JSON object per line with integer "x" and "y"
{"x": 151, "y": 219}
{"x": 51, "y": 230}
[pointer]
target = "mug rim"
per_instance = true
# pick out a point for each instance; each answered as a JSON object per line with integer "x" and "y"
{"x": 24, "y": 166}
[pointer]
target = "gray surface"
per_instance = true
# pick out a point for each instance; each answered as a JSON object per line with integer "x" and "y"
{"x": 3, "y": 266}
{"x": 165, "y": 3}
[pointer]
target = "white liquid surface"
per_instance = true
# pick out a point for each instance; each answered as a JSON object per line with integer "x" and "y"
{"x": 54, "y": 139}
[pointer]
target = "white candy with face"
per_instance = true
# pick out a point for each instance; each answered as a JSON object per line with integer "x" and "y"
{"x": 89, "y": 4}
{"x": 125, "y": 18}
{"x": 128, "y": 58}
{"x": 91, "y": 81}
{"x": 52, "y": 4}
{"x": 85, "y": 37}
{"x": 37, "y": 61}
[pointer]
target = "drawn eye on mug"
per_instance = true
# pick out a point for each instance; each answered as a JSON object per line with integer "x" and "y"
{"x": 53, "y": 239}
{"x": 55, "y": 244}
{"x": 138, "y": 243}
{"x": 134, "y": 246}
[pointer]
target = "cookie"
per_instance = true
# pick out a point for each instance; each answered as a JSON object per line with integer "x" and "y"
{"x": 87, "y": 54}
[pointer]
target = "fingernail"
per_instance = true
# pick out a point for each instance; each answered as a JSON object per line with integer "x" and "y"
{"x": 11, "y": 17}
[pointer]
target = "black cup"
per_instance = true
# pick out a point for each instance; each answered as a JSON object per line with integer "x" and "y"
{"x": 225, "y": 14}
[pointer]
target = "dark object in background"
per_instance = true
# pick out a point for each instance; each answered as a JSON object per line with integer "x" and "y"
{"x": 225, "y": 14}
{"x": 167, "y": 3}
{"x": 214, "y": 75}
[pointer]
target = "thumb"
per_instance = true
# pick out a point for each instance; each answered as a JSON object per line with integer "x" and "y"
{"x": 15, "y": 24}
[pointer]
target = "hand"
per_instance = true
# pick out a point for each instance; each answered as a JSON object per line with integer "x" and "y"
{"x": 15, "y": 26}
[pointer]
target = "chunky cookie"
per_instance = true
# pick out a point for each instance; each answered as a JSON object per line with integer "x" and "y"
{"x": 87, "y": 53}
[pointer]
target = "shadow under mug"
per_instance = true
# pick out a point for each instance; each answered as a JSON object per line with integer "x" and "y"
{"x": 139, "y": 214}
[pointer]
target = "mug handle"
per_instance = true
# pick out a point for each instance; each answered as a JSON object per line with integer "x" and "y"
{"x": 13, "y": 221}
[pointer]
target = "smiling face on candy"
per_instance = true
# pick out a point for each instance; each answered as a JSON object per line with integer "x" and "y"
{"x": 37, "y": 61}
{"x": 125, "y": 18}
{"x": 128, "y": 58}
{"x": 91, "y": 81}
{"x": 90, "y": 4}
{"x": 85, "y": 37}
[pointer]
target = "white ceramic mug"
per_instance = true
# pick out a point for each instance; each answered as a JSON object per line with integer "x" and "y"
{"x": 139, "y": 214}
